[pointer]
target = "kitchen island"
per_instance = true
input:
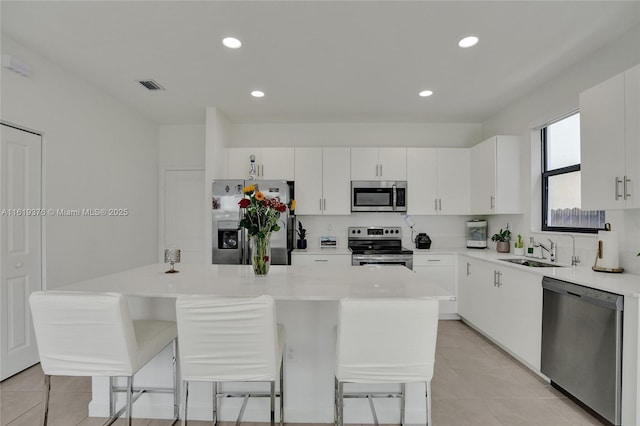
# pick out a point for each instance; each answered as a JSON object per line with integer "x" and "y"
{"x": 306, "y": 298}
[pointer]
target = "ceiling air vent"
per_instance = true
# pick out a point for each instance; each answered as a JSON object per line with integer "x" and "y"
{"x": 151, "y": 84}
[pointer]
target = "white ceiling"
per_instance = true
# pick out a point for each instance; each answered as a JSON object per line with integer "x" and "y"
{"x": 317, "y": 61}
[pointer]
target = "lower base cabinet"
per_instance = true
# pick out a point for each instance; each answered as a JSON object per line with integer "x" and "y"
{"x": 438, "y": 269}
{"x": 503, "y": 303}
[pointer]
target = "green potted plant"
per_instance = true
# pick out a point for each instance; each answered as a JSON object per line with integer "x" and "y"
{"x": 518, "y": 246}
{"x": 301, "y": 244}
{"x": 502, "y": 239}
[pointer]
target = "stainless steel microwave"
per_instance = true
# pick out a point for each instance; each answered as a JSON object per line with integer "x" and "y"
{"x": 378, "y": 196}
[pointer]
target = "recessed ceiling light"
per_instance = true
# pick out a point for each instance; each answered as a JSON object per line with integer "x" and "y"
{"x": 425, "y": 93}
{"x": 231, "y": 42}
{"x": 257, "y": 94}
{"x": 468, "y": 41}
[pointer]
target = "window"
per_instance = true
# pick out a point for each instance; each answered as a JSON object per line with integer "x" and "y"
{"x": 561, "y": 180}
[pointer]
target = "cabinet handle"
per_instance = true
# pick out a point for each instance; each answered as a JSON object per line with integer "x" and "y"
{"x": 495, "y": 282}
{"x": 440, "y": 204}
{"x": 626, "y": 188}
{"x": 617, "y": 187}
{"x": 380, "y": 170}
{"x": 262, "y": 167}
{"x": 321, "y": 260}
{"x": 320, "y": 204}
{"x": 435, "y": 260}
{"x": 493, "y": 202}
{"x": 496, "y": 278}
{"x": 468, "y": 271}
{"x": 377, "y": 165}
{"x": 324, "y": 204}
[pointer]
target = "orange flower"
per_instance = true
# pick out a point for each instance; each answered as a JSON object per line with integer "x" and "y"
{"x": 248, "y": 189}
{"x": 259, "y": 196}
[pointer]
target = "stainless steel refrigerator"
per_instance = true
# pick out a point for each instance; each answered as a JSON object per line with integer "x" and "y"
{"x": 230, "y": 242}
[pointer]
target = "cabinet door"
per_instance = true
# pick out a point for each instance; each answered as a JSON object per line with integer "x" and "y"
{"x": 239, "y": 162}
{"x": 632, "y": 136}
{"x": 364, "y": 164}
{"x": 308, "y": 180}
{"x": 520, "y": 314}
{"x": 602, "y": 149}
{"x": 393, "y": 163}
{"x": 441, "y": 272}
{"x": 277, "y": 163}
{"x": 507, "y": 175}
{"x": 453, "y": 180}
{"x": 476, "y": 296}
{"x": 422, "y": 181}
{"x": 336, "y": 185}
{"x": 483, "y": 177}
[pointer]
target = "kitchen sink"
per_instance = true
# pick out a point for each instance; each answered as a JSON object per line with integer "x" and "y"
{"x": 531, "y": 263}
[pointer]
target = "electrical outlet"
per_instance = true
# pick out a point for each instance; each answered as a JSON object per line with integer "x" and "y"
{"x": 291, "y": 353}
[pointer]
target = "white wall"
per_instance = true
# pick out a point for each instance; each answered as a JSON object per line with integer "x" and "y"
{"x": 98, "y": 153}
{"x": 551, "y": 100}
{"x": 181, "y": 146}
{"x": 356, "y": 134}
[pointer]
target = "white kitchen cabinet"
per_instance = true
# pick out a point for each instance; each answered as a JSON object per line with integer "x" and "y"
{"x": 302, "y": 258}
{"x": 495, "y": 176}
{"x": 438, "y": 269}
{"x": 378, "y": 163}
{"x": 609, "y": 140}
{"x": 504, "y": 304}
{"x": 271, "y": 163}
{"x": 438, "y": 181}
{"x": 322, "y": 181}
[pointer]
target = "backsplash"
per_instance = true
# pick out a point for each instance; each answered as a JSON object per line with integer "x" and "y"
{"x": 444, "y": 231}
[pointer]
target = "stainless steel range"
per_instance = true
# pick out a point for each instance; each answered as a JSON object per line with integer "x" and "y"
{"x": 378, "y": 245}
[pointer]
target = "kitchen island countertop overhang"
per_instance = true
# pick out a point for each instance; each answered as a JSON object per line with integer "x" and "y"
{"x": 283, "y": 282}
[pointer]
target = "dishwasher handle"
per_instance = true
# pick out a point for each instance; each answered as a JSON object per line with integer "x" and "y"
{"x": 586, "y": 294}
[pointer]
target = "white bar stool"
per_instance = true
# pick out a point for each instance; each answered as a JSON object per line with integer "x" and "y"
{"x": 230, "y": 339}
{"x": 385, "y": 341}
{"x": 92, "y": 334}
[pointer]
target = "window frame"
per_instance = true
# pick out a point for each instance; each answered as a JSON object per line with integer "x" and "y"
{"x": 546, "y": 174}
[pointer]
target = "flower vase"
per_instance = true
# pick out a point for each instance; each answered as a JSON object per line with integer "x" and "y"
{"x": 261, "y": 255}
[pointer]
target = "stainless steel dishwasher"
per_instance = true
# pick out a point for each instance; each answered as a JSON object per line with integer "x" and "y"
{"x": 582, "y": 345}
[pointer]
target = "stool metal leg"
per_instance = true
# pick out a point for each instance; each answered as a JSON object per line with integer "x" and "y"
{"x": 273, "y": 402}
{"x": 429, "y": 403}
{"x": 215, "y": 403}
{"x": 112, "y": 397}
{"x": 340, "y": 404}
{"x": 129, "y": 399}
{"x": 403, "y": 404}
{"x": 185, "y": 398}
{"x": 47, "y": 391}
{"x": 282, "y": 391}
{"x": 176, "y": 415}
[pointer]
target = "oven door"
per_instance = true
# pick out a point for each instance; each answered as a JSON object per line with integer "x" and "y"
{"x": 382, "y": 259}
{"x": 375, "y": 196}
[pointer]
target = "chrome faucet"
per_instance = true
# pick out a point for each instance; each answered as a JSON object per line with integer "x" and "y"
{"x": 574, "y": 259}
{"x": 551, "y": 250}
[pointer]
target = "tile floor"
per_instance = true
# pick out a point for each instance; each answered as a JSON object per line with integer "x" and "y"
{"x": 475, "y": 384}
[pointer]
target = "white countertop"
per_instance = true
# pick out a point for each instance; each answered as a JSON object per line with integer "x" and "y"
{"x": 625, "y": 284}
{"x": 283, "y": 282}
{"x": 327, "y": 250}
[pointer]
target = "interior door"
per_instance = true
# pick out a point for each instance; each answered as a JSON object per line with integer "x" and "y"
{"x": 183, "y": 211}
{"x": 20, "y": 246}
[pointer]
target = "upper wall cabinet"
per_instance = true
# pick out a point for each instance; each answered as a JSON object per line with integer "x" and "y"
{"x": 609, "y": 140}
{"x": 271, "y": 163}
{"x": 438, "y": 181}
{"x": 378, "y": 164}
{"x": 322, "y": 181}
{"x": 495, "y": 176}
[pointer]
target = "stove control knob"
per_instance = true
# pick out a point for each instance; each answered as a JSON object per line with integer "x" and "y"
{"x": 358, "y": 231}
{"x": 386, "y": 231}
{"x": 397, "y": 231}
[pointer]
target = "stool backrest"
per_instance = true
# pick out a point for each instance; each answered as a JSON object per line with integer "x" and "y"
{"x": 227, "y": 338}
{"x": 386, "y": 340}
{"x": 83, "y": 333}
